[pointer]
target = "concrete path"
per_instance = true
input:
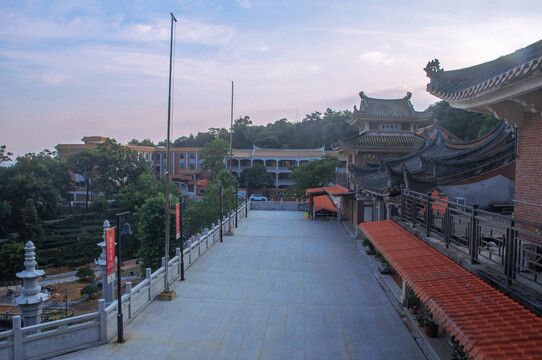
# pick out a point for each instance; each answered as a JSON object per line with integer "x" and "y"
{"x": 282, "y": 287}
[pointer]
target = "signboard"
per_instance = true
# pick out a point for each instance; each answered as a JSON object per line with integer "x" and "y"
{"x": 110, "y": 254}
{"x": 177, "y": 221}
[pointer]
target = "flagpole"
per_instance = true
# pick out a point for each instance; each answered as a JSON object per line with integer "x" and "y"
{"x": 166, "y": 257}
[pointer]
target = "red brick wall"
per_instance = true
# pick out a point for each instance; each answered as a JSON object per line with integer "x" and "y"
{"x": 529, "y": 170}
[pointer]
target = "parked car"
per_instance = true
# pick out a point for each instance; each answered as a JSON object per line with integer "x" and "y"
{"x": 257, "y": 197}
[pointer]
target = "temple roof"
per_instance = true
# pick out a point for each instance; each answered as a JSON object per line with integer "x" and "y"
{"x": 439, "y": 161}
{"x": 388, "y": 109}
{"x": 481, "y": 79}
{"x": 379, "y": 141}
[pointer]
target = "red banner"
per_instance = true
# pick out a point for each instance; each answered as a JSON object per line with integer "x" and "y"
{"x": 177, "y": 220}
{"x": 110, "y": 254}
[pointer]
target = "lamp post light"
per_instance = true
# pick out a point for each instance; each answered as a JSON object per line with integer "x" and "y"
{"x": 126, "y": 230}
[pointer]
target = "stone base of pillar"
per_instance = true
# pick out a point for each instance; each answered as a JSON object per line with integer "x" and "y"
{"x": 167, "y": 295}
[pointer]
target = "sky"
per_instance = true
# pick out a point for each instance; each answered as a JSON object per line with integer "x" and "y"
{"x": 70, "y": 69}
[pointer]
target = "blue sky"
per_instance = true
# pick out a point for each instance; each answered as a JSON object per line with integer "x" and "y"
{"x": 74, "y": 68}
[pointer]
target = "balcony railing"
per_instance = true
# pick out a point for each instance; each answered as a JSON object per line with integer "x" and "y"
{"x": 511, "y": 246}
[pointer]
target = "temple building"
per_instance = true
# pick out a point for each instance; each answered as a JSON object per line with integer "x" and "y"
{"x": 387, "y": 130}
{"x": 510, "y": 87}
{"x": 477, "y": 172}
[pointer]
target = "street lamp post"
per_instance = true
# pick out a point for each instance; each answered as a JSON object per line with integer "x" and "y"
{"x": 236, "y": 206}
{"x": 181, "y": 238}
{"x": 126, "y": 230}
{"x": 221, "y": 210}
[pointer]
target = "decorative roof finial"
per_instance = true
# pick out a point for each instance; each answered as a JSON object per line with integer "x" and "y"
{"x": 408, "y": 95}
{"x": 433, "y": 68}
{"x": 361, "y": 94}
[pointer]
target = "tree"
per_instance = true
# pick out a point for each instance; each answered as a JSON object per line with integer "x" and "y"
{"x": 134, "y": 194}
{"x": 213, "y": 155}
{"x": 32, "y": 177}
{"x": 257, "y": 177}
{"x": 151, "y": 230}
{"x": 4, "y": 156}
{"x": 316, "y": 173}
{"x": 144, "y": 142}
{"x": 464, "y": 124}
{"x": 243, "y": 133}
{"x": 12, "y": 255}
{"x": 32, "y": 229}
{"x": 84, "y": 163}
{"x": 85, "y": 273}
{"x": 490, "y": 123}
{"x": 90, "y": 290}
{"x": 117, "y": 166}
{"x": 5, "y": 217}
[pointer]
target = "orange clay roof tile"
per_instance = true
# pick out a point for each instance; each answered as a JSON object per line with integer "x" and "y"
{"x": 488, "y": 323}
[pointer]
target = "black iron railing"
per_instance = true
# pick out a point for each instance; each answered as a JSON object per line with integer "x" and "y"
{"x": 512, "y": 246}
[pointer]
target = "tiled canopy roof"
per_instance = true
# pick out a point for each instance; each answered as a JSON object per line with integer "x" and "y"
{"x": 330, "y": 190}
{"x": 486, "y": 322}
{"x": 323, "y": 202}
{"x": 372, "y": 140}
{"x": 388, "y": 109}
{"x": 483, "y": 78}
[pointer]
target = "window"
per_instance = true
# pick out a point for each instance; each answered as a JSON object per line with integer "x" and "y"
{"x": 192, "y": 166}
{"x": 80, "y": 181}
{"x": 181, "y": 156}
{"x": 201, "y": 191}
{"x": 192, "y": 156}
{"x": 181, "y": 166}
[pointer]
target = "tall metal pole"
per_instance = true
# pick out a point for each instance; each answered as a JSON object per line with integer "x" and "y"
{"x": 221, "y": 210}
{"x": 120, "y": 322}
{"x": 231, "y": 157}
{"x": 166, "y": 283}
{"x": 236, "y": 206}
{"x": 181, "y": 230}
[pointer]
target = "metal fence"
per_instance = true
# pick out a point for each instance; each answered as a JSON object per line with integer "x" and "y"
{"x": 512, "y": 246}
{"x": 79, "y": 332}
{"x": 279, "y": 205}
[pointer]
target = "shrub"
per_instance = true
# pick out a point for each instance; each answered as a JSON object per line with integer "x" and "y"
{"x": 366, "y": 242}
{"x": 85, "y": 273}
{"x": 91, "y": 290}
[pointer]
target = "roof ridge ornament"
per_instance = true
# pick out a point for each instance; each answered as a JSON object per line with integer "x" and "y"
{"x": 433, "y": 68}
{"x": 408, "y": 95}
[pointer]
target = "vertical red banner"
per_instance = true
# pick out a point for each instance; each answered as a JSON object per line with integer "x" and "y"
{"x": 177, "y": 220}
{"x": 110, "y": 254}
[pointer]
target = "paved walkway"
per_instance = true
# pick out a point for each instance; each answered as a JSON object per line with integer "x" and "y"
{"x": 282, "y": 287}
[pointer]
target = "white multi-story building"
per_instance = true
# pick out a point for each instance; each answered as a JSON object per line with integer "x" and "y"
{"x": 277, "y": 161}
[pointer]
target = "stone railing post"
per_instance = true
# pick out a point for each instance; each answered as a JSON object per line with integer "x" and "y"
{"x": 103, "y": 320}
{"x": 148, "y": 277}
{"x": 129, "y": 292}
{"x": 17, "y": 338}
